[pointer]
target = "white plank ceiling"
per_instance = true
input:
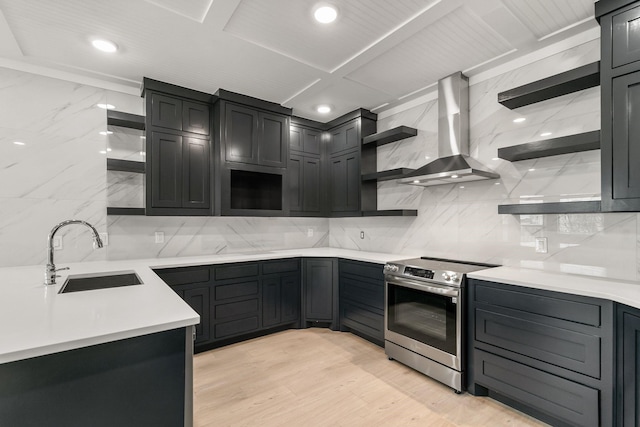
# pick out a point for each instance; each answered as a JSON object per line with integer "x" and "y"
{"x": 377, "y": 52}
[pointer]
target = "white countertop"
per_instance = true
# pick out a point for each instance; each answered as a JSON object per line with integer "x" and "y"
{"x": 35, "y": 320}
{"x": 624, "y": 292}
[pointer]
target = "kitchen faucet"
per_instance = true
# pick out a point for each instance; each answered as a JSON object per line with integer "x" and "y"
{"x": 50, "y": 271}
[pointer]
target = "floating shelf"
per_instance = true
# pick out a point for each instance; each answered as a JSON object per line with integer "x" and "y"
{"x": 387, "y": 175}
{"x": 592, "y": 206}
{"x": 570, "y": 81}
{"x": 125, "y": 211}
{"x": 125, "y": 166}
{"x": 552, "y": 147}
{"x": 388, "y": 136}
{"x": 125, "y": 120}
{"x": 391, "y": 212}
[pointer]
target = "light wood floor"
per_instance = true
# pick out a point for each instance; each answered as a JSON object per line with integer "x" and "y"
{"x": 316, "y": 377}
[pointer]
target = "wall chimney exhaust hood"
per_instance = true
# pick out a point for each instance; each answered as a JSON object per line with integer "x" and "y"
{"x": 453, "y": 164}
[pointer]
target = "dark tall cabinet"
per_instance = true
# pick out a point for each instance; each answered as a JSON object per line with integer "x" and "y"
{"x": 628, "y": 375}
{"x": 178, "y": 147}
{"x": 620, "y": 83}
{"x": 320, "y": 299}
{"x": 307, "y": 194}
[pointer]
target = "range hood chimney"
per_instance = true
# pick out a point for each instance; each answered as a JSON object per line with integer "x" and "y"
{"x": 453, "y": 164}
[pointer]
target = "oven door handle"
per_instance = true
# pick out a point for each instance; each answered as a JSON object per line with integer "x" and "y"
{"x": 447, "y": 291}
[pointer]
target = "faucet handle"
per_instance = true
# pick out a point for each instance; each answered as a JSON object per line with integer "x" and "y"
{"x": 63, "y": 268}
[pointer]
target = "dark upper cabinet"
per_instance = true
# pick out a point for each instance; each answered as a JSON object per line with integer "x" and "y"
{"x": 344, "y": 179}
{"x": 179, "y": 175}
{"x": 628, "y": 366}
{"x": 305, "y": 184}
{"x": 179, "y": 114}
{"x": 306, "y": 140}
{"x": 345, "y": 137}
{"x": 295, "y": 138}
{"x": 255, "y": 137}
{"x": 620, "y": 105}
{"x": 296, "y": 182}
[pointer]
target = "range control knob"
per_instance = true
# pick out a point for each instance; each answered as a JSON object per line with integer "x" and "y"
{"x": 394, "y": 268}
{"x": 449, "y": 276}
{"x": 390, "y": 267}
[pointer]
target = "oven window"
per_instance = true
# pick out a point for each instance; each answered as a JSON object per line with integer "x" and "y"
{"x": 422, "y": 316}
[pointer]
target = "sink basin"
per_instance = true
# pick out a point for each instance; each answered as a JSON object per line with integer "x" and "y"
{"x": 89, "y": 282}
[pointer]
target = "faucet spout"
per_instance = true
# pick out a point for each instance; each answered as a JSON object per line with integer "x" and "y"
{"x": 50, "y": 272}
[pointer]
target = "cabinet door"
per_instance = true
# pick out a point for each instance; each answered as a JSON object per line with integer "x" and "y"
{"x": 196, "y": 186}
{"x": 345, "y": 137}
{"x": 271, "y": 306}
{"x": 345, "y": 183}
{"x": 198, "y": 299}
{"x": 273, "y": 140}
{"x": 312, "y": 141}
{"x": 195, "y": 117}
{"x": 166, "y": 111}
{"x": 166, "y": 170}
{"x": 290, "y": 298}
{"x": 295, "y": 138}
{"x": 319, "y": 289}
{"x": 296, "y": 183}
{"x": 626, "y": 136}
{"x": 629, "y": 369}
{"x": 241, "y": 134}
{"x": 625, "y": 37}
{"x": 311, "y": 185}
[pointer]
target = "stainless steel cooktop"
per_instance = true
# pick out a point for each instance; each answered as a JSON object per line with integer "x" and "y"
{"x": 436, "y": 270}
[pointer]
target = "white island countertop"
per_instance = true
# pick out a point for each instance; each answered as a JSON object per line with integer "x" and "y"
{"x": 622, "y": 291}
{"x": 35, "y": 320}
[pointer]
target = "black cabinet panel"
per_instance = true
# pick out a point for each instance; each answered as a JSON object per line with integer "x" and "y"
{"x": 345, "y": 182}
{"x": 281, "y": 266}
{"x": 237, "y": 309}
{"x": 290, "y": 298}
{"x": 311, "y": 185}
{"x": 272, "y": 149}
{"x": 271, "y": 302}
{"x": 296, "y": 182}
{"x": 628, "y": 367}
{"x": 312, "y": 141}
{"x": 166, "y": 111}
{"x": 296, "y": 138}
{"x": 570, "y": 349}
{"x": 236, "y": 290}
{"x": 195, "y": 117}
{"x": 367, "y": 292}
{"x": 184, "y": 275}
{"x": 166, "y": 170}
{"x": 241, "y": 134}
{"x": 572, "y": 403}
{"x": 626, "y": 134}
{"x": 319, "y": 288}
{"x": 236, "y": 327}
{"x": 196, "y": 187}
{"x": 198, "y": 299}
{"x": 626, "y": 37}
{"x": 362, "y": 320}
{"x": 345, "y": 137}
{"x": 235, "y": 271}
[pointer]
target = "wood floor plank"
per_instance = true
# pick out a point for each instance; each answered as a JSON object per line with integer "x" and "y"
{"x": 317, "y": 377}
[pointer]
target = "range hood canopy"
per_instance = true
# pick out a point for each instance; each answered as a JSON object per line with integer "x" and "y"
{"x": 453, "y": 164}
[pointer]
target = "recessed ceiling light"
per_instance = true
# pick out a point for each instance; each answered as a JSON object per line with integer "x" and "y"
{"x": 104, "y": 45}
{"x": 143, "y": 137}
{"x": 108, "y": 149}
{"x": 427, "y": 157}
{"x": 532, "y": 170}
{"x": 323, "y": 109}
{"x": 416, "y": 182}
{"x": 325, "y": 14}
{"x": 142, "y": 153}
{"x": 106, "y": 132}
{"x": 462, "y": 186}
{"x": 106, "y": 106}
{"x": 19, "y": 143}
{"x": 545, "y": 134}
{"x": 519, "y": 120}
{"x": 103, "y": 151}
{"x": 496, "y": 158}
{"x": 454, "y": 176}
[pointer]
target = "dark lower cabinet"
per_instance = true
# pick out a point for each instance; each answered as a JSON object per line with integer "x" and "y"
{"x": 628, "y": 368}
{"x": 280, "y": 300}
{"x": 546, "y": 353}
{"x": 198, "y": 299}
{"x": 362, "y": 299}
{"x": 320, "y": 287}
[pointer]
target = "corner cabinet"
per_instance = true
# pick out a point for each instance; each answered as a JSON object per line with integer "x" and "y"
{"x": 320, "y": 291}
{"x": 620, "y": 82}
{"x": 178, "y": 147}
{"x": 628, "y": 371}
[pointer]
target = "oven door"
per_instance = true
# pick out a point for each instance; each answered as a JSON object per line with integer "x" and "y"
{"x": 424, "y": 318}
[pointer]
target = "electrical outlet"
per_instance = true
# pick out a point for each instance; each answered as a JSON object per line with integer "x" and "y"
{"x": 309, "y": 232}
{"x": 159, "y": 236}
{"x": 362, "y": 234}
{"x": 57, "y": 243}
{"x": 541, "y": 245}
{"x": 105, "y": 238}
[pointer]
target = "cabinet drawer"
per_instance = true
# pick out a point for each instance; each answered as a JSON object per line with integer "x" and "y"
{"x": 565, "y": 400}
{"x": 235, "y": 271}
{"x": 558, "y": 346}
{"x": 236, "y": 327}
{"x": 285, "y": 266}
{"x": 236, "y": 309}
{"x": 625, "y": 37}
{"x": 184, "y": 276}
{"x": 235, "y": 290}
{"x": 362, "y": 291}
{"x": 364, "y": 269}
{"x": 535, "y": 303}
{"x": 361, "y": 319}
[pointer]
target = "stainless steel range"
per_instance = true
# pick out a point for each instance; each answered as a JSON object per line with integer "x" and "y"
{"x": 424, "y": 315}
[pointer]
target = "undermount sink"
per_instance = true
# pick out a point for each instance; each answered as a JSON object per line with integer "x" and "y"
{"x": 89, "y": 282}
